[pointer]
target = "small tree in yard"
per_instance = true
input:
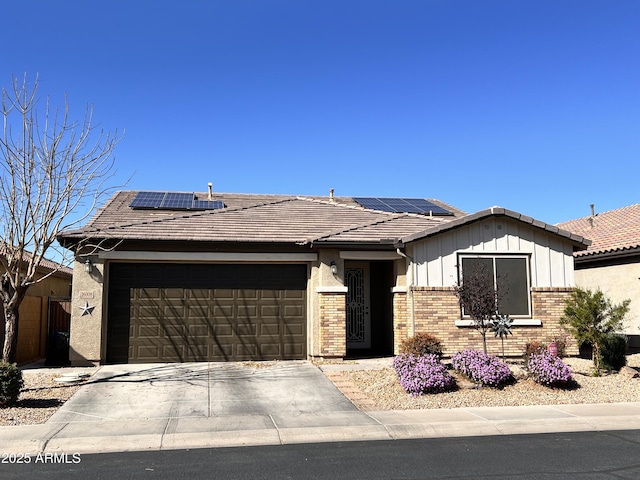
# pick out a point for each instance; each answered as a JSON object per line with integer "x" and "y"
{"x": 479, "y": 299}
{"x": 590, "y": 317}
{"x": 50, "y": 168}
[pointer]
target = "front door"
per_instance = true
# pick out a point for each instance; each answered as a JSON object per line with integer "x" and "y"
{"x": 358, "y": 305}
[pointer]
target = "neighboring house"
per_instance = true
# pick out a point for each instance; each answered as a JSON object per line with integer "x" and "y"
{"x": 189, "y": 277}
{"x": 612, "y": 261}
{"x": 42, "y": 301}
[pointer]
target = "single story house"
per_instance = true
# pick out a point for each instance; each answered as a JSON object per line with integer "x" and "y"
{"x": 612, "y": 261}
{"x": 167, "y": 276}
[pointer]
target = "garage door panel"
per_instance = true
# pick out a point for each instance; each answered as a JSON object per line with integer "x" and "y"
{"x": 293, "y": 350}
{"x": 250, "y": 295}
{"x": 247, "y": 351}
{"x": 300, "y": 295}
{"x": 178, "y": 314}
{"x": 269, "y": 329}
{"x": 222, "y": 331}
{"x": 269, "y": 311}
{"x": 294, "y": 330}
{"x": 199, "y": 331}
{"x": 150, "y": 331}
{"x": 146, "y": 293}
{"x": 293, "y": 311}
{"x": 223, "y": 293}
{"x": 200, "y": 293}
{"x": 272, "y": 350}
{"x": 246, "y": 330}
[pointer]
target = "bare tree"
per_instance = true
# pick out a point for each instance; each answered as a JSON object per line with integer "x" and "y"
{"x": 478, "y": 298}
{"x": 53, "y": 174}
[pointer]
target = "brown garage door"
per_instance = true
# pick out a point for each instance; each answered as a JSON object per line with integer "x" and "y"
{"x": 180, "y": 313}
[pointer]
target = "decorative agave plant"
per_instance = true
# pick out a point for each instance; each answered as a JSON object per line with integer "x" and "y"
{"x": 502, "y": 326}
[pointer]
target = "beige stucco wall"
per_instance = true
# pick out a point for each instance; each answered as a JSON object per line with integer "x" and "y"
{"x": 85, "y": 344}
{"x": 618, "y": 282}
{"x": 57, "y": 285}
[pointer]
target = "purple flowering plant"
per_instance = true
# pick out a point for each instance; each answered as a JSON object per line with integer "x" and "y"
{"x": 549, "y": 370}
{"x": 481, "y": 367}
{"x": 423, "y": 374}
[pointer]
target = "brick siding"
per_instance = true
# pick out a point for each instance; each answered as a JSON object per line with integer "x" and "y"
{"x": 436, "y": 309}
{"x": 333, "y": 325}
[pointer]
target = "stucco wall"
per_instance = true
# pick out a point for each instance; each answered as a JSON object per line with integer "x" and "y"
{"x": 86, "y": 330}
{"x": 618, "y": 282}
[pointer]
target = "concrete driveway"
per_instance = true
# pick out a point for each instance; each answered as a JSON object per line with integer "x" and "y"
{"x": 184, "y": 403}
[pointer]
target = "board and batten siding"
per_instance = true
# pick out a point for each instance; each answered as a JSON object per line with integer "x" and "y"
{"x": 435, "y": 259}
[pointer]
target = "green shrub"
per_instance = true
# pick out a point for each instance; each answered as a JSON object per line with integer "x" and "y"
{"x": 11, "y": 383}
{"x": 591, "y": 317}
{"x": 422, "y": 344}
{"x": 613, "y": 349}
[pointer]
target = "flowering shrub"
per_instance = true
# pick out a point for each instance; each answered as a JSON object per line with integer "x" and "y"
{"x": 548, "y": 369}
{"x": 423, "y": 374}
{"x": 483, "y": 368}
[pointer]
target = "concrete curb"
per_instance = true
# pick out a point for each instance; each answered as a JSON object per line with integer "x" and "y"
{"x": 386, "y": 425}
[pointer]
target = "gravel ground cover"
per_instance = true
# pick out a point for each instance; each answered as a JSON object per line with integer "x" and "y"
{"x": 383, "y": 388}
{"x": 41, "y": 396}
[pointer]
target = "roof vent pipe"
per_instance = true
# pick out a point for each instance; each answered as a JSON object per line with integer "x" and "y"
{"x": 593, "y": 214}
{"x": 210, "y": 185}
{"x": 331, "y": 195}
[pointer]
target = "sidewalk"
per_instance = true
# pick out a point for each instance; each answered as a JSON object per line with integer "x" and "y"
{"x": 165, "y": 432}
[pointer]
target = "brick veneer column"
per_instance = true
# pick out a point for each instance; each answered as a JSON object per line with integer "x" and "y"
{"x": 333, "y": 324}
{"x": 400, "y": 319}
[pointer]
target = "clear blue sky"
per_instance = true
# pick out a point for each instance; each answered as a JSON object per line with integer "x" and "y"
{"x": 530, "y": 105}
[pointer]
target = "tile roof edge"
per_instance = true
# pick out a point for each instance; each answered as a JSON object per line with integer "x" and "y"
{"x": 497, "y": 211}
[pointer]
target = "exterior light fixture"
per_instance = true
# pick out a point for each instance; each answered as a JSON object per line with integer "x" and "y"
{"x": 88, "y": 266}
{"x": 334, "y": 268}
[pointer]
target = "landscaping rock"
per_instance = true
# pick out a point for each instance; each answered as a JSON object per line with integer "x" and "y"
{"x": 629, "y": 372}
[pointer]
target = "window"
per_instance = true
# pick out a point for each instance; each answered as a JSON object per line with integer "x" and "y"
{"x": 510, "y": 274}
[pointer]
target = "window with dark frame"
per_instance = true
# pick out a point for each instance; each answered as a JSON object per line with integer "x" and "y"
{"x": 510, "y": 276}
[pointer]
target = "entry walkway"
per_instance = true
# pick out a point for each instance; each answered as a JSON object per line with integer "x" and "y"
{"x": 177, "y": 406}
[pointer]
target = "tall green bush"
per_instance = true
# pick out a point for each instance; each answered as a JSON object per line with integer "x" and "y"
{"x": 613, "y": 351}
{"x": 11, "y": 383}
{"x": 590, "y": 316}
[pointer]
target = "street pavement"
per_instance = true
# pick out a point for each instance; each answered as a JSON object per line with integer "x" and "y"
{"x": 199, "y": 405}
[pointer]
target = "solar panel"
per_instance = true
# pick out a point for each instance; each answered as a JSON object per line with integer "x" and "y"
{"x": 173, "y": 201}
{"x": 207, "y": 204}
{"x": 147, "y": 200}
{"x": 177, "y": 201}
{"x": 402, "y": 205}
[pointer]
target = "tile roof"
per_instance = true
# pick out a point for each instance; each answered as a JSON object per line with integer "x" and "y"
{"x": 281, "y": 219}
{"x": 45, "y": 263}
{"x": 256, "y": 218}
{"x": 613, "y": 232}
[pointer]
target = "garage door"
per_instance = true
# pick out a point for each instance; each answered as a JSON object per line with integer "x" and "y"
{"x": 195, "y": 312}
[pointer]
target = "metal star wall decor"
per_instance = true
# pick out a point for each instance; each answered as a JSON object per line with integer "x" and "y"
{"x": 87, "y": 309}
